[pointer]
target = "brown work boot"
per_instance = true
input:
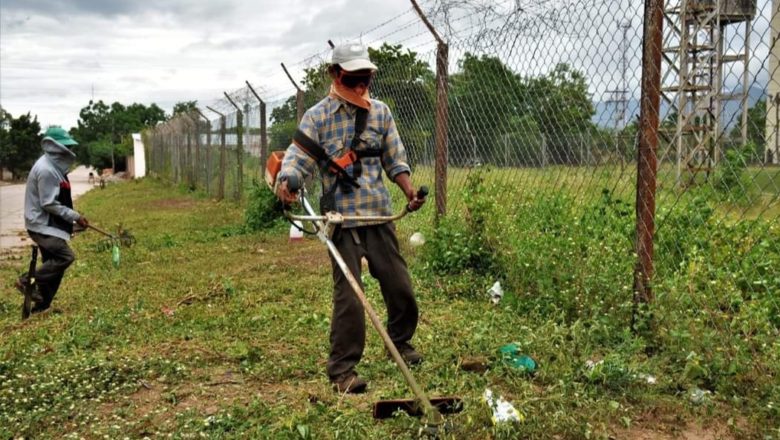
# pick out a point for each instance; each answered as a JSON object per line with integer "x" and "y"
{"x": 408, "y": 354}
{"x": 21, "y": 286}
{"x": 349, "y": 382}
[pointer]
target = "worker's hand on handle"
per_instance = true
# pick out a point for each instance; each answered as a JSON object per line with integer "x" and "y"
{"x": 285, "y": 195}
{"x": 83, "y": 222}
{"x": 415, "y": 198}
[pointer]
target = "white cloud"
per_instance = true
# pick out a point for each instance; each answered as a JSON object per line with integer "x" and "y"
{"x": 54, "y": 53}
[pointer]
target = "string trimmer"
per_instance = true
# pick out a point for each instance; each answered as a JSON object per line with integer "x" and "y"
{"x": 324, "y": 226}
{"x": 124, "y": 237}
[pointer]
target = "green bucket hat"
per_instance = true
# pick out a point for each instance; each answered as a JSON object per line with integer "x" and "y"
{"x": 60, "y": 136}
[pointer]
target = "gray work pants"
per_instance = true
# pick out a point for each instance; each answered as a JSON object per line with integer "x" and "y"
{"x": 57, "y": 256}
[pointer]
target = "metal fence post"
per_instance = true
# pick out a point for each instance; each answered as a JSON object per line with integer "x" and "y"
{"x": 175, "y": 154}
{"x": 222, "y": 154}
{"x": 239, "y": 149}
{"x": 263, "y": 137}
{"x": 196, "y": 165}
{"x": 647, "y": 156}
{"x": 442, "y": 61}
{"x": 189, "y": 155}
{"x": 298, "y": 96}
{"x": 181, "y": 137}
{"x": 441, "y": 121}
{"x": 208, "y": 150}
{"x": 263, "y": 130}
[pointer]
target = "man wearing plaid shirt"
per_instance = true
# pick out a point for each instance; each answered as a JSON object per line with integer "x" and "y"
{"x": 331, "y": 125}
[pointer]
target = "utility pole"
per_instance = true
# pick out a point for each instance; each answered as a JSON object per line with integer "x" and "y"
{"x": 619, "y": 97}
{"x": 624, "y": 65}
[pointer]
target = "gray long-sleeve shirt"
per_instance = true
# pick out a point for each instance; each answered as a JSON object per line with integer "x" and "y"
{"x": 43, "y": 189}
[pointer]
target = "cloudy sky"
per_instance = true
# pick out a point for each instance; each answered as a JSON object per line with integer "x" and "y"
{"x": 54, "y": 53}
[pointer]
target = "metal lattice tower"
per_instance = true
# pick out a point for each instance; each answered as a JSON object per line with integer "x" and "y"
{"x": 696, "y": 59}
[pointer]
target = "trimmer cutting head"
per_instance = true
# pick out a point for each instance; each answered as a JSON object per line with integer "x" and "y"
{"x": 445, "y": 405}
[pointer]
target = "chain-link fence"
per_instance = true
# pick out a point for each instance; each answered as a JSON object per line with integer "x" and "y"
{"x": 541, "y": 101}
{"x": 526, "y": 118}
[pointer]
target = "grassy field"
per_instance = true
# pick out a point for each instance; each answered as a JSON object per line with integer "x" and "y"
{"x": 208, "y": 331}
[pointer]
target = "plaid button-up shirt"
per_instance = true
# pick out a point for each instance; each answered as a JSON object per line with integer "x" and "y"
{"x": 331, "y": 123}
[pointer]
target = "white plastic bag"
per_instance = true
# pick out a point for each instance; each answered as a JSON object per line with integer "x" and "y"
{"x": 496, "y": 292}
{"x": 503, "y": 411}
{"x": 417, "y": 239}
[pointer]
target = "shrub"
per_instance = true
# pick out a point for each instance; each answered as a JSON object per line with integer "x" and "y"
{"x": 460, "y": 245}
{"x": 570, "y": 263}
{"x": 262, "y": 209}
{"x": 730, "y": 180}
{"x": 681, "y": 231}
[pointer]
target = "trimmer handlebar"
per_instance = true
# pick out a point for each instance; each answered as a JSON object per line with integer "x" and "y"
{"x": 294, "y": 185}
{"x": 421, "y": 194}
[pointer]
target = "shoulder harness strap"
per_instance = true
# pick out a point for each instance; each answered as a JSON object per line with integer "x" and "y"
{"x": 316, "y": 152}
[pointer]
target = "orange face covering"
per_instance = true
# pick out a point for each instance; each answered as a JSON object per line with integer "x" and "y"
{"x": 339, "y": 90}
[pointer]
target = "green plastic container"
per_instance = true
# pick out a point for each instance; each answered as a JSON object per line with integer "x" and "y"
{"x": 511, "y": 355}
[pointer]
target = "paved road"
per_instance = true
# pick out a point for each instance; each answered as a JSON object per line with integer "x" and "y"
{"x": 12, "y": 232}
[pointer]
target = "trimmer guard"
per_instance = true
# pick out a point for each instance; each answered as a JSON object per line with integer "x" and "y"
{"x": 384, "y": 409}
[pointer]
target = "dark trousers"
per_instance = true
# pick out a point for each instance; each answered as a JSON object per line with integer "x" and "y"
{"x": 378, "y": 244}
{"x": 57, "y": 256}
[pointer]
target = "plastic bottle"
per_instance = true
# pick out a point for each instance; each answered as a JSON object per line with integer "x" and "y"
{"x": 115, "y": 255}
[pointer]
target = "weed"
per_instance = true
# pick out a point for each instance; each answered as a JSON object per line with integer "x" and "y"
{"x": 459, "y": 245}
{"x": 730, "y": 178}
{"x": 262, "y": 210}
{"x": 208, "y": 331}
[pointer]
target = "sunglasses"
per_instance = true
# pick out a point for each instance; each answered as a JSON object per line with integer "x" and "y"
{"x": 354, "y": 79}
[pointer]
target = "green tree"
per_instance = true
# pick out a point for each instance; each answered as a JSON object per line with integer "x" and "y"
{"x": 104, "y": 132}
{"x": 406, "y": 84}
{"x": 185, "y": 107}
{"x": 561, "y": 106}
{"x": 487, "y": 111}
{"x": 498, "y": 116}
{"x": 284, "y": 122}
{"x": 21, "y": 144}
{"x": 756, "y": 130}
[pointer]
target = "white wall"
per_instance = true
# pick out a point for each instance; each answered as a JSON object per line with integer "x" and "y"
{"x": 139, "y": 157}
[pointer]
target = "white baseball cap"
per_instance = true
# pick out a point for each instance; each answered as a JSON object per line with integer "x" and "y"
{"x": 352, "y": 57}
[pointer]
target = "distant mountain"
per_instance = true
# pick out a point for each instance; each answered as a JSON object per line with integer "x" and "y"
{"x": 605, "y": 111}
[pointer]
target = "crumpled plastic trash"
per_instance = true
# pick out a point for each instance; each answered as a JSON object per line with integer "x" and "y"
{"x": 417, "y": 239}
{"x": 698, "y": 396}
{"x": 503, "y": 411}
{"x": 646, "y": 378}
{"x": 496, "y": 292}
{"x": 511, "y": 355}
{"x": 591, "y": 364}
{"x": 649, "y": 379}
